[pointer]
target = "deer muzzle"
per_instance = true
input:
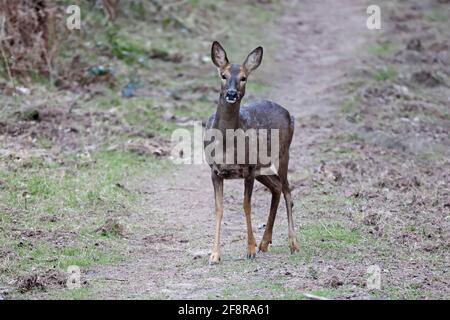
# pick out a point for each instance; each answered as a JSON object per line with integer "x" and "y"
{"x": 231, "y": 96}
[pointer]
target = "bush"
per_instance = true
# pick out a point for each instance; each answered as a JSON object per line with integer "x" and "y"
{"x": 30, "y": 34}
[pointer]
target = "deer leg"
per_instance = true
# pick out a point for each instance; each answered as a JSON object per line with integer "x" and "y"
{"x": 251, "y": 243}
{"x": 274, "y": 185}
{"x": 292, "y": 240}
{"x": 218, "y": 197}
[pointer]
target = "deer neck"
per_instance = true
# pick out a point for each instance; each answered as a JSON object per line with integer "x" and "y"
{"x": 227, "y": 115}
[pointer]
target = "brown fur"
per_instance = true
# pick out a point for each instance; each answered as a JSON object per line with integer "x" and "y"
{"x": 256, "y": 115}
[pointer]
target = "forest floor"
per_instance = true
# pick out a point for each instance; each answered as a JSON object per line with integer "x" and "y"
{"x": 369, "y": 169}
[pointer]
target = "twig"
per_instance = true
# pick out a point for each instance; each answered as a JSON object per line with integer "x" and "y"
{"x": 115, "y": 279}
{"x": 173, "y": 4}
{"x": 314, "y": 297}
{"x": 169, "y": 189}
{"x": 73, "y": 104}
{"x": 5, "y": 59}
{"x": 326, "y": 229}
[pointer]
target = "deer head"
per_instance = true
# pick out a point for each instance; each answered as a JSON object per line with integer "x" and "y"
{"x": 234, "y": 76}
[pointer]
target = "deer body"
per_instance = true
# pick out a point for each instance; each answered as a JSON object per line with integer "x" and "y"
{"x": 255, "y": 115}
{"x": 230, "y": 115}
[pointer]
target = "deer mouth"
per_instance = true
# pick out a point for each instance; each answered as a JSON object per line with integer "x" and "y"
{"x": 231, "y": 100}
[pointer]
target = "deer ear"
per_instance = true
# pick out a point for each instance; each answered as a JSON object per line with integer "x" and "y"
{"x": 218, "y": 55}
{"x": 253, "y": 59}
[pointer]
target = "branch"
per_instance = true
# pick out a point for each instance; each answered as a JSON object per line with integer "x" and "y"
{"x": 5, "y": 59}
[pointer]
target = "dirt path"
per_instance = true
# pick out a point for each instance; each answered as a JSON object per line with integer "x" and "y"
{"x": 173, "y": 233}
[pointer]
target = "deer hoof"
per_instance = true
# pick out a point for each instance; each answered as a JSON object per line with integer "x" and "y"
{"x": 251, "y": 256}
{"x": 251, "y": 252}
{"x": 264, "y": 246}
{"x": 214, "y": 258}
{"x": 293, "y": 245}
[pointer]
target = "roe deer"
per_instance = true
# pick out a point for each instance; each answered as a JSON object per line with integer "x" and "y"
{"x": 256, "y": 115}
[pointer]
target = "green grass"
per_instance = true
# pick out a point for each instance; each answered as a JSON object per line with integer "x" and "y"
{"x": 148, "y": 119}
{"x": 437, "y": 16}
{"x": 327, "y": 240}
{"x": 327, "y": 200}
{"x": 408, "y": 292}
{"x": 384, "y": 74}
{"x": 81, "y": 195}
{"x": 83, "y": 293}
{"x": 201, "y": 110}
{"x": 44, "y": 255}
{"x": 351, "y": 105}
{"x": 331, "y": 240}
{"x": 147, "y": 115}
{"x": 331, "y": 236}
{"x": 327, "y": 292}
{"x": 383, "y": 49}
{"x": 93, "y": 181}
{"x": 74, "y": 294}
{"x": 125, "y": 47}
{"x": 256, "y": 87}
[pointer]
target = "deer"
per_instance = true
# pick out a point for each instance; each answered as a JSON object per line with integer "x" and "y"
{"x": 230, "y": 115}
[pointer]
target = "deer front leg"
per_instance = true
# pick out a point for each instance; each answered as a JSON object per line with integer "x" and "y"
{"x": 218, "y": 197}
{"x": 251, "y": 243}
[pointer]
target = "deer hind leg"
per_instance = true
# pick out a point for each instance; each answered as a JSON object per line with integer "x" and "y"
{"x": 292, "y": 239}
{"x": 251, "y": 243}
{"x": 218, "y": 197}
{"x": 274, "y": 185}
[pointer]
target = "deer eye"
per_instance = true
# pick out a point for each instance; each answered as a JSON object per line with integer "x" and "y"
{"x": 224, "y": 77}
{"x": 243, "y": 79}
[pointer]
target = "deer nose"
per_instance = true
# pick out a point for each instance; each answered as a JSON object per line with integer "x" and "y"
{"x": 232, "y": 94}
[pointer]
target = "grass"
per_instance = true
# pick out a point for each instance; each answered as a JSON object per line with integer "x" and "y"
{"x": 319, "y": 239}
{"x": 330, "y": 240}
{"x": 387, "y": 73}
{"x": 409, "y": 292}
{"x": 351, "y": 105}
{"x": 125, "y": 47}
{"x": 383, "y": 49}
{"x": 255, "y": 87}
{"x": 52, "y": 211}
{"x": 91, "y": 182}
{"x": 437, "y": 16}
{"x": 149, "y": 117}
{"x": 333, "y": 236}
{"x": 328, "y": 292}
{"x": 83, "y": 293}
{"x": 42, "y": 255}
